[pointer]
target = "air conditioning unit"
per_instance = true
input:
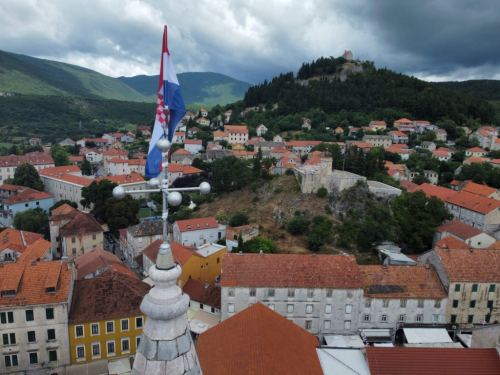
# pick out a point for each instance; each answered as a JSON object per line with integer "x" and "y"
{"x": 453, "y": 327}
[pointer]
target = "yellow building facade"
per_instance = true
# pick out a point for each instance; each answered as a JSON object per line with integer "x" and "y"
{"x": 203, "y": 268}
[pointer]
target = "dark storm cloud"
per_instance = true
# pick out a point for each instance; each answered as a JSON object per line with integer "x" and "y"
{"x": 254, "y": 40}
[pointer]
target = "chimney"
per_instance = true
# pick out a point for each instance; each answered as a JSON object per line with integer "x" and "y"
{"x": 427, "y": 264}
{"x": 240, "y": 253}
{"x": 471, "y": 249}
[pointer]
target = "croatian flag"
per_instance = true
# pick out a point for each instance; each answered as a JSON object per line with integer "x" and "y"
{"x": 170, "y": 95}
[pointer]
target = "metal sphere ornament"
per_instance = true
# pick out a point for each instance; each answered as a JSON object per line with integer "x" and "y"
{"x": 154, "y": 183}
{"x": 119, "y": 192}
{"x": 174, "y": 198}
{"x": 205, "y": 188}
{"x": 163, "y": 144}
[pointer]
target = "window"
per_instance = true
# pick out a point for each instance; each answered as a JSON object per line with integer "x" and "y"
{"x": 80, "y": 352}
{"x": 218, "y": 260}
{"x": 230, "y": 307}
{"x": 385, "y": 303}
{"x": 201, "y": 306}
{"x": 437, "y": 304}
{"x": 403, "y": 303}
{"x": 368, "y": 303}
{"x": 111, "y": 347}
{"x": 457, "y": 287}
{"x": 49, "y": 313}
{"x": 30, "y": 316}
{"x": 7, "y": 317}
{"x": 96, "y": 349}
{"x": 270, "y": 292}
{"x": 110, "y": 327}
{"x": 253, "y": 292}
{"x": 51, "y": 334}
{"x": 11, "y": 360}
{"x": 9, "y": 338}
{"x": 309, "y": 309}
{"x": 308, "y": 324}
{"x": 271, "y": 306}
{"x": 419, "y": 318}
{"x": 73, "y": 240}
{"x": 348, "y": 309}
{"x": 289, "y": 309}
{"x": 79, "y": 331}
{"x": 230, "y": 292}
{"x": 31, "y": 336}
{"x": 474, "y": 287}
{"x": 73, "y": 250}
{"x": 347, "y": 324}
{"x": 402, "y": 318}
{"x": 95, "y": 328}
{"x": 455, "y": 303}
{"x": 327, "y": 324}
{"x": 94, "y": 237}
{"x": 138, "y": 322}
{"x": 420, "y": 303}
{"x": 436, "y": 318}
{"x": 366, "y": 317}
{"x": 329, "y": 293}
{"x": 383, "y": 318}
{"x": 124, "y": 324}
{"x": 291, "y": 293}
{"x": 470, "y": 319}
{"x": 328, "y": 309}
{"x": 125, "y": 345}
{"x": 137, "y": 341}
{"x": 33, "y": 358}
{"x": 492, "y": 288}
{"x": 490, "y": 304}
{"x": 472, "y": 304}
{"x": 310, "y": 293}
{"x": 453, "y": 319}
{"x": 52, "y": 355}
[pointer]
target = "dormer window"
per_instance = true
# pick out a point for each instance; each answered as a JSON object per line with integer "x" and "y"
{"x": 189, "y": 226}
{"x": 206, "y": 224}
{"x": 51, "y": 290}
{"x": 8, "y": 293}
{"x": 197, "y": 225}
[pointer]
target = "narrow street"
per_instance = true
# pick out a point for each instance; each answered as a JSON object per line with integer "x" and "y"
{"x": 112, "y": 244}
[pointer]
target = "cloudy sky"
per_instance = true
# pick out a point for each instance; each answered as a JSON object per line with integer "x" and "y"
{"x": 256, "y": 39}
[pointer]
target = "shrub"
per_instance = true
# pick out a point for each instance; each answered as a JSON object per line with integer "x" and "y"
{"x": 315, "y": 242}
{"x": 289, "y": 172}
{"x": 298, "y": 225}
{"x": 322, "y": 192}
{"x": 240, "y": 218}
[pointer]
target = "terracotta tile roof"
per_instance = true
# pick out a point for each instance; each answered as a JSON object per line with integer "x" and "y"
{"x": 260, "y": 341}
{"x": 446, "y": 149}
{"x": 378, "y": 123}
{"x": 236, "y": 129}
{"x": 121, "y": 268}
{"x": 196, "y": 224}
{"x": 291, "y": 270}
{"x": 193, "y": 142}
{"x": 484, "y": 190}
{"x": 362, "y": 144}
{"x": 93, "y": 260}
{"x": 17, "y": 240}
{"x": 392, "y": 172}
{"x": 439, "y": 153}
{"x": 203, "y": 293}
{"x": 136, "y": 161}
{"x": 180, "y": 134}
{"x": 315, "y": 160}
{"x": 182, "y": 152}
{"x": 123, "y": 178}
{"x": 463, "y": 265}
{"x": 494, "y": 246}
{"x": 490, "y": 129}
{"x": 440, "y": 192}
{"x": 399, "y": 167}
{"x": 92, "y": 150}
{"x": 455, "y": 183}
{"x": 109, "y": 296}
{"x": 450, "y": 242}
{"x": 117, "y": 161}
{"x": 402, "y": 282}
{"x": 398, "y": 133}
{"x": 403, "y": 120}
{"x": 495, "y": 161}
{"x": 221, "y": 134}
{"x": 30, "y": 282}
{"x": 81, "y": 223}
{"x": 27, "y": 195}
{"x": 56, "y": 171}
{"x": 181, "y": 253}
{"x": 404, "y": 146}
{"x": 63, "y": 210}
{"x": 436, "y": 361}
{"x": 476, "y": 159}
{"x": 459, "y": 229}
{"x": 35, "y": 158}
{"x": 185, "y": 169}
{"x": 410, "y": 186}
{"x": 115, "y": 152}
{"x": 140, "y": 155}
{"x": 476, "y": 149}
{"x": 422, "y": 122}
{"x": 146, "y": 228}
{"x": 35, "y": 251}
{"x": 475, "y": 202}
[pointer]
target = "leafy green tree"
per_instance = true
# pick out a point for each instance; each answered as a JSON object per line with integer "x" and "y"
{"x": 96, "y": 194}
{"x": 315, "y": 242}
{"x": 298, "y": 225}
{"x": 256, "y": 244}
{"x": 86, "y": 167}
{"x": 61, "y": 202}
{"x": 416, "y": 217}
{"x": 60, "y": 155}
{"x": 322, "y": 192}
{"x": 420, "y": 179}
{"x": 238, "y": 219}
{"x": 121, "y": 213}
{"x": 26, "y": 175}
{"x": 32, "y": 220}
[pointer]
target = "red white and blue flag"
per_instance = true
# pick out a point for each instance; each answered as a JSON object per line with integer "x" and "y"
{"x": 169, "y": 95}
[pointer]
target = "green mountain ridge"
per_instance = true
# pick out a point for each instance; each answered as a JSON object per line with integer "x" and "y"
{"x": 198, "y": 88}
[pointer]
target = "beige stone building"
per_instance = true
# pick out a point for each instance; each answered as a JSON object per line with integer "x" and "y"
{"x": 378, "y": 140}
{"x": 8, "y": 164}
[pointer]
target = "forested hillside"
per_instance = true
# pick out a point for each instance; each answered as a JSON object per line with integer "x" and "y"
{"x": 486, "y": 89}
{"x": 378, "y": 94}
{"x": 27, "y": 75}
